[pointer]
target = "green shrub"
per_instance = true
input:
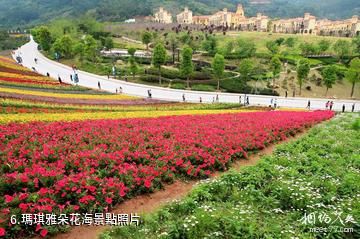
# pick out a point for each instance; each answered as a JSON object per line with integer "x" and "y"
{"x": 179, "y": 86}
{"x": 201, "y": 87}
{"x": 356, "y": 125}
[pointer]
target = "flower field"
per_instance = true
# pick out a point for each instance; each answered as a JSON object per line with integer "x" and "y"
{"x": 12, "y": 74}
{"x": 310, "y": 183}
{"x": 90, "y": 166}
{"x": 82, "y": 116}
{"x": 19, "y": 83}
{"x": 33, "y": 106}
{"x": 72, "y": 96}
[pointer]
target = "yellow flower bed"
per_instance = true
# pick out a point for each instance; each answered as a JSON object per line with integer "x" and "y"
{"x": 27, "y": 77}
{"x": 50, "y": 117}
{"x": 290, "y": 109}
{"x": 162, "y": 107}
{"x": 8, "y": 63}
{"x": 72, "y": 96}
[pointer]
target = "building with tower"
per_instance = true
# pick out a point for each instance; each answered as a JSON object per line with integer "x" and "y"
{"x": 163, "y": 16}
{"x": 185, "y": 17}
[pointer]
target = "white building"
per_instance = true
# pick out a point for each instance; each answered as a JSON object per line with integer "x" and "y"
{"x": 185, "y": 17}
{"x": 163, "y": 16}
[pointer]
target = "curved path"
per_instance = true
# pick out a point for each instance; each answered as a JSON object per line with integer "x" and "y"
{"x": 30, "y": 51}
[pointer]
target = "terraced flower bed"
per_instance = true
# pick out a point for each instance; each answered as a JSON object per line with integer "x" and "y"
{"x": 90, "y": 166}
{"x": 310, "y": 183}
{"x": 8, "y": 105}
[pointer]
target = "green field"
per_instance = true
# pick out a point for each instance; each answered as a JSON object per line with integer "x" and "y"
{"x": 260, "y": 39}
{"x": 316, "y": 175}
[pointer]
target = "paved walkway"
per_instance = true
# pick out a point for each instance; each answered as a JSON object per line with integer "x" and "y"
{"x": 29, "y": 51}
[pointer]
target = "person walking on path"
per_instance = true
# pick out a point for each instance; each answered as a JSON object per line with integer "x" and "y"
{"x": 308, "y": 105}
{"x": 331, "y": 105}
{"x": 59, "y": 78}
{"x": 120, "y": 90}
{"x": 271, "y": 102}
{"x": 71, "y": 77}
{"x": 327, "y": 104}
{"x": 47, "y": 74}
{"x": 99, "y": 85}
{"x": 149, "y": 94}
{"x": 217, "y": 98}
{"x": 247, "y": 100}
{"x": 76, "y": 78}
{"x": 35, "y": 60}
{"x": 240, "y": 99}
{"x": 200, "y": 100}
{"x": 286, "y": 94}
{"x": 343, "y": 108}
{"x": 275, "y": 103}
{"x": 353, "y": 108}
{"x": 183, "y": 97}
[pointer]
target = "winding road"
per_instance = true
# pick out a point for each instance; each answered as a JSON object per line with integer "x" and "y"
{"x": 44, "y": 65}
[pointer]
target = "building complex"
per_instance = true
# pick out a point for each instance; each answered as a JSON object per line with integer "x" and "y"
{"x": 307, "y": 24}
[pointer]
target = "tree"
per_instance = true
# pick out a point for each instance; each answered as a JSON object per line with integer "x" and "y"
{"x": 210, "y": 45}
{"x": 90, "y": 49}
{"x": 159, "y": 58}
{"x": 146, "y": 39}
{"x": 302, "y": 69}
{"x": 173, "y": 44}
{"x": 43, "y": 37}
{"x": 246, "y": 68}
{"x": 353, "y": 74}
{"x": 218, "y": 65}
{"x": 280, "y": 41}
{"x": 356, "y": 43}
{"x": 186, "y": 65}
{"x": 245, "y": 49}
{"x": 308, "y": 49}
{"x": 275, "y": 66}
{"x": 329, "y": 75}
{"x": 342, "y": 48}
{"x": 78, "y": 49}
{"x": 89, "y": 25}
{"x": 64, "y": 46}
{"x": 324, "y": 45}
{"x": 273, "y": 47}
{"x": 229, "y": 48}
{"x": 133, "y": 66}
{"x": 131, "y": 51}
{"x": 108, "y": 43}
{"x": 290, "y": 42}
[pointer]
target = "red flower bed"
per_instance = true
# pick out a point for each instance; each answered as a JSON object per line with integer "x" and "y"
{"x": 90, "y": 166}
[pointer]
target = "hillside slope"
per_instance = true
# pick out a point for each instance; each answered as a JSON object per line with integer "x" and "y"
{"x": 28, "y": 12}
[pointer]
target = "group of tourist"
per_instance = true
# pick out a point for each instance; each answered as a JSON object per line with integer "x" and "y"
{"x": 330, "y": 104}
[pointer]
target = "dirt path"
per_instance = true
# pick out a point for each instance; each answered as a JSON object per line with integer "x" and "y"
{"x": 150, "y": 202}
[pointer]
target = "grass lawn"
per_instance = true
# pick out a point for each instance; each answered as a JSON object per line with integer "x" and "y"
{"x": 123, "y": 44}
{"x": 260, "y": 39}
